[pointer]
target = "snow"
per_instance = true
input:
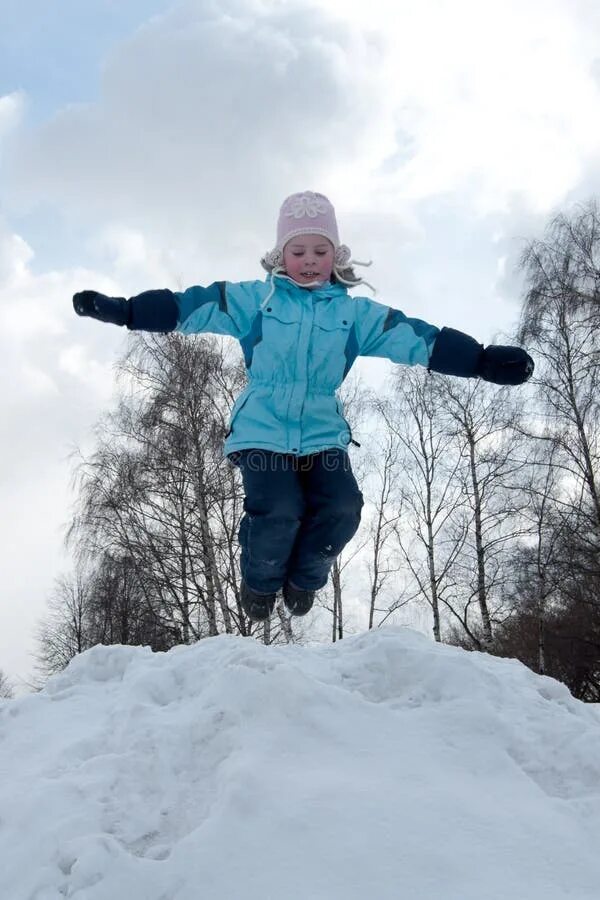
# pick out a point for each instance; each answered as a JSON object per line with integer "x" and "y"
{"x": 384, "y": 766}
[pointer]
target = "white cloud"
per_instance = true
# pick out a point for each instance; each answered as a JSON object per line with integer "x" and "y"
{"x": 75, "y": 362}
{"x": 53, "y": 390}
{"x": 207, "y": 116}
{"x": 15, "y": 255}
{"x": 211, "y": 113}
{"x": 494, "y": 101}
{"x": 35, "y": 381}
{"x": 11, "y": 112}
{"x": 37, "y": 328}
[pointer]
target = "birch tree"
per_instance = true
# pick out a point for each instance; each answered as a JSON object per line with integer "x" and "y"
{"x": 535, "y": 572}
{"x": 157, "y": 491}
{"x": 429, "y": 490}
{"x": 484, "y": 428}
{"x": 62, "y": 633}
{"x": 385, "y": 502}
{"x": 561, "y": 321}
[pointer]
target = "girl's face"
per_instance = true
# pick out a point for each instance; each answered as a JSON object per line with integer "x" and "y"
{"x": 308, "y": 257}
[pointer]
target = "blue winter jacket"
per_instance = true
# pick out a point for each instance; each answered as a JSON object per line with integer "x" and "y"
{"x": 298, "y": 346}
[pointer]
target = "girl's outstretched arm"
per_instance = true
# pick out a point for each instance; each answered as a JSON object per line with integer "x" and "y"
{"x": 219, "y": 308}
{"x": 455, "y": 353}
{"x": 387, "y": 332}
{"x": 150, "y": 311}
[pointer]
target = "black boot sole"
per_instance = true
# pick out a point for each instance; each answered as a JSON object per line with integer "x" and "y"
{"x": 297, "y": 601}
{"x": 258, "y": 607}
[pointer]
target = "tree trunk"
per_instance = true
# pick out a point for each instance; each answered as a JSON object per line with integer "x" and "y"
{"x": 479, "y": 549}
{"x": 338, "y": 617}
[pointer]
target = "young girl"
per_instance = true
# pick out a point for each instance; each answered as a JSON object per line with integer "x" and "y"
{"x": 300, "y": 332}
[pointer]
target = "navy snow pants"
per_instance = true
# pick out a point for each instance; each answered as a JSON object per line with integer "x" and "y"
{"x": 299, "y": 513}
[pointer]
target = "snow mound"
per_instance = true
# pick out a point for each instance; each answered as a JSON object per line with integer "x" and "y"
{"x": 384, "y": 766}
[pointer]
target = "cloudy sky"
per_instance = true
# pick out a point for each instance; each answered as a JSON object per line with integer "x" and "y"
{"x": 150, "y": 143}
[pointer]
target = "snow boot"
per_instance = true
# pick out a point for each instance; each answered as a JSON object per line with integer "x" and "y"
{"x": 298, "y": 601}
{"x": 257, "y": 607}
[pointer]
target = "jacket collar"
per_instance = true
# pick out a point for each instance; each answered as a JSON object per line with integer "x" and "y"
{"x": 326, "y": 291}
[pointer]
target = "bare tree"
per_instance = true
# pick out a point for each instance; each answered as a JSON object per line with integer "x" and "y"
{"x": 385, "y": 503}
{"x": 426, "y": 469}
{"x": 63, "y": 632}
{"x": 534, "y": 582}
{"x": 485, "y": 421}
{"x": 556, "y": 632}
{"x": 561, "y": 318}
{"x": 6, "y": 688}
{"x": 158, "y": 492}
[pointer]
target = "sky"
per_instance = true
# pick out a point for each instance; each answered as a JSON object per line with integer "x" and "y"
{"x": 384, "y": 765}
{"x": 150, "y": 144}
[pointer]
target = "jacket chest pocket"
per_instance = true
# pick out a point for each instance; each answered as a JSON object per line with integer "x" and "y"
{"x": 281, "y": 325}
{"x": 330, "y": 337}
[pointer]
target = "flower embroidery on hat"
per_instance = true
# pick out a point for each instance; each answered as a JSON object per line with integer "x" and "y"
{"x": 307, "y": 204}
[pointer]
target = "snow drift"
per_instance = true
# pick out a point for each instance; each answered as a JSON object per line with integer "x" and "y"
{"x": 384, "y": 766}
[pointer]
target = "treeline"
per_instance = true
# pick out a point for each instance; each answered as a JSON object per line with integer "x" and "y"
{"x": 483, "y": 502}
{"x": 495, "y": 517}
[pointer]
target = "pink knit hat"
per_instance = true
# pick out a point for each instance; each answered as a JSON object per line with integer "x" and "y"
{"x": 306, "y": 213}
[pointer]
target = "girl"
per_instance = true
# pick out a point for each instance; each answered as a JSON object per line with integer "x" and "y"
{"x": 300, "y": 332}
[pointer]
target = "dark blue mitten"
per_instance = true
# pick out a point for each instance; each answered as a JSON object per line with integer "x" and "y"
{"x": 505, "y": 365}
{"x": 116, "y": 310}
{"x": 456, "y": 353}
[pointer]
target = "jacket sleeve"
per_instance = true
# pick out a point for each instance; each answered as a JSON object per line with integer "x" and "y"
{"x": 387, "y": 332}
{"x": 220, "y": 308}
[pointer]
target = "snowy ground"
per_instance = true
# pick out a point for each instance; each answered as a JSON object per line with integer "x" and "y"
{"x": 381, "y": 767}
